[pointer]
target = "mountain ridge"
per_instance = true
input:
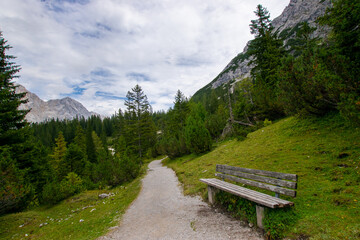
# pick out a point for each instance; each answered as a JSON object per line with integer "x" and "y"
{"x": 296, "y": 12}
{"x": 62, "y": 109}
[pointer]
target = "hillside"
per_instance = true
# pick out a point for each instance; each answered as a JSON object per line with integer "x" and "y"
{"x": 286, "y": 24}
{"x": 324, "y": 152}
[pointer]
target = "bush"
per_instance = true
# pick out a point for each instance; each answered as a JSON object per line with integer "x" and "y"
{"x": 15, "y": 192}
{"x": 198, "y": 138}
{"x": 276, "y": 221}
{"x": 172, "y": 147}
{"x": 54, "y": 192}
{"x": 51, "y": 193}
{"x": 267, "y": 122}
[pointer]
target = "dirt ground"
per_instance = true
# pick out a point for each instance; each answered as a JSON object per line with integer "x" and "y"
{"x": 161, "y": 211}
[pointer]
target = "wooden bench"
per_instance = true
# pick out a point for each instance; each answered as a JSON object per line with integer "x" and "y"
{"x": 279, "y": 183}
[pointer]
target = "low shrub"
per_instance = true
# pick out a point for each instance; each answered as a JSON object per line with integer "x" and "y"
{"x": 276, "y": 221}
{"x": 54, "y": 192}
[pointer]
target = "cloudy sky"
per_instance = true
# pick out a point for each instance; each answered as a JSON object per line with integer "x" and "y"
{"x": 96, "y": 50}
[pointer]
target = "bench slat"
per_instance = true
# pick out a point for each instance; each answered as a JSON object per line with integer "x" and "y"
{"x": 258, "y": 194}
{"x": 260, "y": 198}
{"x": 287, "y": 176}
{"x": 243, "y": 192}
{"x": 253, "y": 193}
{"x": 274, "y": 181}
{"x": 272, "y": 188}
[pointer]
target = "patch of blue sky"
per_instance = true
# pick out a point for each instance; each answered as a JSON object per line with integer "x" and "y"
{"x": 77, "y": 91}
{"x": 109, "y": 96}
{"x": 140, "y": 77}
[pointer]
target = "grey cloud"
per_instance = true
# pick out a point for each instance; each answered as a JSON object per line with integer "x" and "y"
{"x": 95, "y": 50}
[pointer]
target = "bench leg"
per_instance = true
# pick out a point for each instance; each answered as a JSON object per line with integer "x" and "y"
{"x": 260, "y": 216}
{"x": 211, "y": 194}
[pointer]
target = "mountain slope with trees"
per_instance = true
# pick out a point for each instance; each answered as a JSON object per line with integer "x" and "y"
{"x": 285, "y": 25}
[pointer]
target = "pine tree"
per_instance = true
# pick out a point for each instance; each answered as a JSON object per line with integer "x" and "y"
{"x": 197, "y": 137}
{"x": 14, "y": 190}
{"x": 11, "y": 118}
{"x": 80, "y": 138}
{"x": 15, "y": 138}
{"x": 75, "y": 159}
{"x": 140, "y": 132}
{"x": 343, "y": 54}
{"x": 90, "y": 147}
{"x": 266, "y": 51}
{"x": 305, "y": 81}
{"x": 58, "y": 157}
{"x": 261, "y": 26}
{"x": 181, "y": 110}
{"x": 172, "y": 141}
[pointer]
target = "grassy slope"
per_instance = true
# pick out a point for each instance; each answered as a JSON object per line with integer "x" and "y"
{"x": 64, "y": 218}
{"x": 325, "y": 153}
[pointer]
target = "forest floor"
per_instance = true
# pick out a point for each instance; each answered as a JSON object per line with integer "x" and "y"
{"x": 161, "y": 211}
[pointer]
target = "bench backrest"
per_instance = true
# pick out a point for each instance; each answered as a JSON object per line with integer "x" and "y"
{"x": 280, "y": 183}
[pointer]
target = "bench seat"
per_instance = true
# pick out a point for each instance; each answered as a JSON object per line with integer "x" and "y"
{"x": 260, "y": 198}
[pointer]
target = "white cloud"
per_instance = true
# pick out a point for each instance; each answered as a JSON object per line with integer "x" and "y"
{"x": 93, "y": 48}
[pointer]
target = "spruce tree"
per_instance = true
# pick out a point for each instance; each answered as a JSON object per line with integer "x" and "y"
{"x": 197, "y": 137}
{"x": 172, "y": 141}
{"x": 14, "y": 190}
{"x": 16, "y": 145}
{"x": 80, "y": 138}
{"x": 12, "y": 120}
{"x": 266, "y": 51}
{"x": 75, "y": 159}
{"x": 58, "y": 157}
{"x": 343, "y": 54}
{"x": 90, "y": 147}
{"x": 140, "y": 132}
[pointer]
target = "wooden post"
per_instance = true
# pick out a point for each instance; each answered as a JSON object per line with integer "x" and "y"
{"x": 211, "y": 194}
{"x": 260, "y": 216}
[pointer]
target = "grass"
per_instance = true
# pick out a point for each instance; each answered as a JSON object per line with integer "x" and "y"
{"x": 324, "y": 152}
{"x": 83, "y": 216}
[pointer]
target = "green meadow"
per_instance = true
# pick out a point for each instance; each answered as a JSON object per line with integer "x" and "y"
{"x": 84, "y": 216}
{"x": 323, "y": 152}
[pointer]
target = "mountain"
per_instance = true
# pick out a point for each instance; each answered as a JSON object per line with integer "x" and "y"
{"x": 286, "y": 24}
{"x": 65, "y": 108}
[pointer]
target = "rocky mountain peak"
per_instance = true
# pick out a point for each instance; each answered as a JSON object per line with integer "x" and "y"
{"x": 296, "y": 12}
{"x": 65, "y": 108}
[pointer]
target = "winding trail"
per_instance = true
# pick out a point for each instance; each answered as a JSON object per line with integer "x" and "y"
{"x": 161, "y": 211}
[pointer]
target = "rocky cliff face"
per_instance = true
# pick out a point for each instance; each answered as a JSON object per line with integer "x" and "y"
{"x": 66, "y": 108}
{"x": 296, "y": 12}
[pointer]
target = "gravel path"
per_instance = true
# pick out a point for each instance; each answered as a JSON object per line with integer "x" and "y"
{"x": 161, "y": 211}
